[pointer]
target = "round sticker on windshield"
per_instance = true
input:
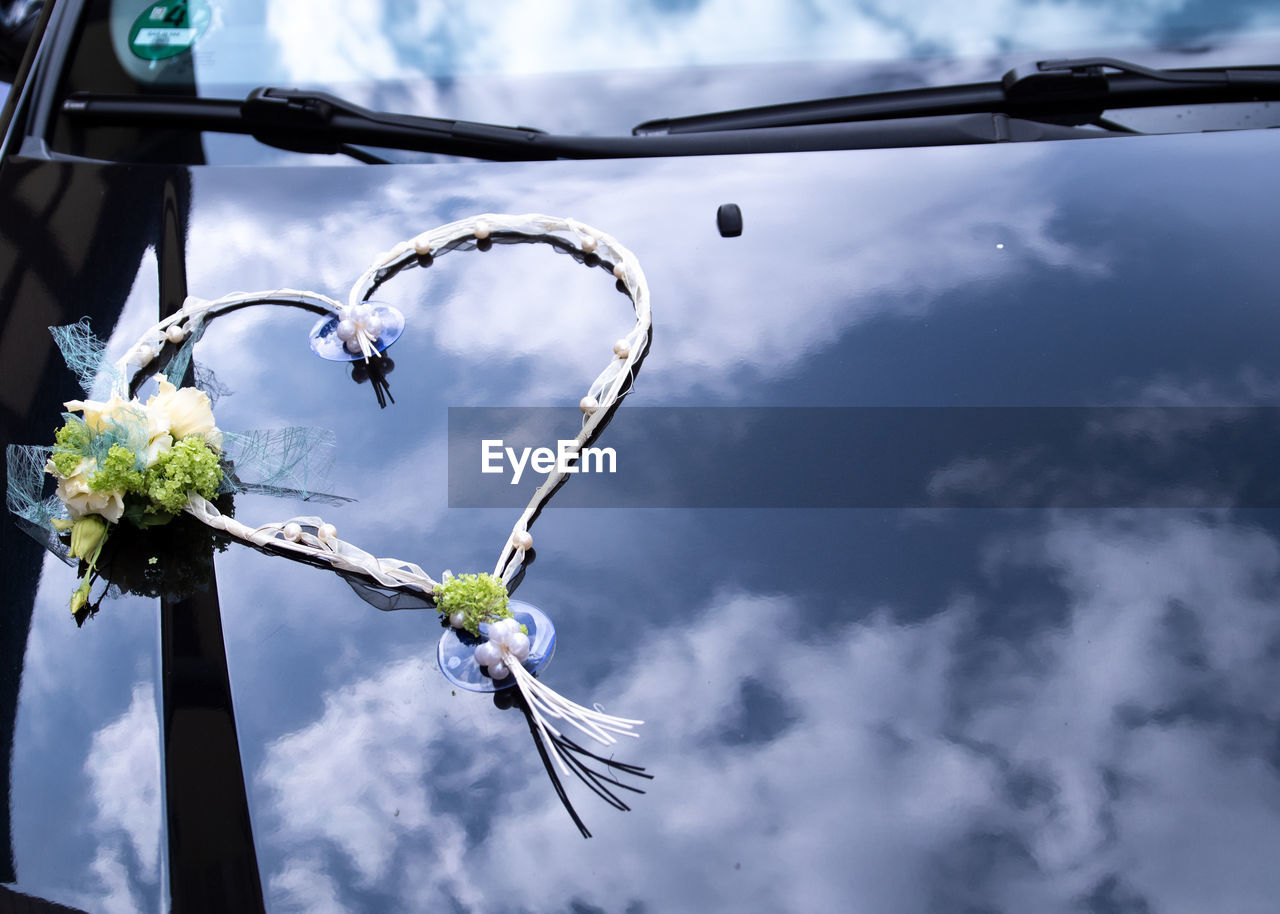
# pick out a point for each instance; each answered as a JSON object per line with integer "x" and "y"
{"x": 168, "y": 28}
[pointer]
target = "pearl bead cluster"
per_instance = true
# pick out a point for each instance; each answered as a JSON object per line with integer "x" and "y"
{"x": 357, "y": 324}
{"x": 326, "y": 533}
{"x": 143, "y": 353}
{"x": 506, "y": 644}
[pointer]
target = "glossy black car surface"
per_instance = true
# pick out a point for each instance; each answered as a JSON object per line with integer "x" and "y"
{"x": 1022, "y": 682}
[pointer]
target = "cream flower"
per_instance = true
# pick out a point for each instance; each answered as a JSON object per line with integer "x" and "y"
{"x": 186, "y": 411}
{"x": 157, "y": 446}
{"x": 98, "y": 412}
{"x": 80, "y": 499}
{"x": 119, "y": 413}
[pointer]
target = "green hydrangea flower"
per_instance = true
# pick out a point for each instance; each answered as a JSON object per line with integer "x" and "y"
{"x": 479, "y": 597}
{"x": 72, "y": 445}
{"x": 189, "y": 466}
{"x": 118, "y": 472}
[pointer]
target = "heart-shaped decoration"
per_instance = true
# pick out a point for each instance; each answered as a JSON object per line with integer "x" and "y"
{"x": 124, "y": 460}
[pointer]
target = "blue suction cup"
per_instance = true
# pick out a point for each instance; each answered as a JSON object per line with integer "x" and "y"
{"x": 324, "y": 335}
{"x": 456, "y": 651}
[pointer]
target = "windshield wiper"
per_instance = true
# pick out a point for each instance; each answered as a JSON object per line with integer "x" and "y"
{"x": 317, "y": 122}
{"x": 313, "y": 122}
{"x": 1069, "y": 92}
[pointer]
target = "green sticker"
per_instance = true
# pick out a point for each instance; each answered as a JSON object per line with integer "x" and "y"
{"x": 168, "y": 28}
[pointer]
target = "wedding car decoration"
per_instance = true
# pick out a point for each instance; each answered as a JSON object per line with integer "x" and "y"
{"x": 124, "y": 460}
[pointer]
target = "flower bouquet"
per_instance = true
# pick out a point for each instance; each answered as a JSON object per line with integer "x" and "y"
{"x": 125, "y": 460}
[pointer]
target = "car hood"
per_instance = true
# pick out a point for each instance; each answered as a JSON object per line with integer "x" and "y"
{"x": 1035, "y": 694}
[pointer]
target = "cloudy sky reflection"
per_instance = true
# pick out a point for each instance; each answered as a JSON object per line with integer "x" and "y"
{"x": 386, "y": 40}
{"x": 601, "y": 67}
{"x": 902, "y": 711}
{"x": 856, "y": 268}
{"x": 1022, "y": 711}
{"x": 870, "y": 762}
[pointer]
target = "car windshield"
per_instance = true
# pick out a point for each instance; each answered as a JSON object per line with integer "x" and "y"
{"x": 600, "y": 68}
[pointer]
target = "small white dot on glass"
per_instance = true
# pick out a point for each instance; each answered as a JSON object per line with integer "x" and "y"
{"x": 999, "y": 247}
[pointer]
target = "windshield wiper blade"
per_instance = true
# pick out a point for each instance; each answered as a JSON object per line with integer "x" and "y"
{"x": 313, "y": 122}
{"x": 1074, "y": 91}
{"x": 320, "y": 123}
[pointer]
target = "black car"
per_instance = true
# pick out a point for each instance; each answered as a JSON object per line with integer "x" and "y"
{"x": 931, "y": 527}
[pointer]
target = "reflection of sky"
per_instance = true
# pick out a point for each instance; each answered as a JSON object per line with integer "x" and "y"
{"x": 87, "y": 814}
{"x": 867, "y": 269}
{"x": 600, "y": 67}
{"x": 337, "y": 42}
{"x": 925, "y": 687}
{"x": 1010, "y": 711}
{"x": 87, "y": 810}
{"x": 1121, "y": 750}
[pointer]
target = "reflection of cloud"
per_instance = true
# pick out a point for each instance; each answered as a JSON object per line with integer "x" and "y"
{"x": 375, "y": 735}
{"x": 388, "y": 776}
{"x": 1111, "y": 457}
{"x": 1022, "y": 477}
{"x": 936, "y": 222}
{"x": 344, "y": 44}
{"x": 123, "y": 768}
{"x": 871, "y": 762}
{"x": 1131, "y": 712}
{"x": 1248, "y": 388}
{"x": 308, "y": 887}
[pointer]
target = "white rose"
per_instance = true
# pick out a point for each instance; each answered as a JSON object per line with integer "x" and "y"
{"x": 81, "y": 499}
{"x": 185, "y": 411}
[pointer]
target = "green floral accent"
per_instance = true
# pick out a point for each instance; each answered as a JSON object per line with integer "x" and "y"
{"x": 479, "y": 597}
{"x": 189, "y": 466}
{"x": 118, "y": 472}
{"x": 88, "y": 535}
{"x": 72, "y": 446}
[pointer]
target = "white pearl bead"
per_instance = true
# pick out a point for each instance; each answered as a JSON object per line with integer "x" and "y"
{"x": 588, "y": 404}
{"x": 502, "y": 630}
{"x": 588, "y": 244}
{"x": 619, "y": 271}
{"x": 499, "y": 670}
{"x": 353, "y": 346}
{"x": 421, "y": 246}
{"x": 522, "y": 539}
{"x": 327, "y": 532}
{"x": 481, "y": 230}
{"x": 518, "y": 644}
{"x": 344, "y": 313}
{"x": 145, "y": 355}
{"x": 458, "y": 619}
{"x": 622, "y": 349}
{"x": 175, "y": 334}
{"x": 373, "y": 325}
{"x": 361, "y": 313}
{"x": 346, "y": 331}
{"x": 292, "y": 532}
{"x": 488, "y": 654}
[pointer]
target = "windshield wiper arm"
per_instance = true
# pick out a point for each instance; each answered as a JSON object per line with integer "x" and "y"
{"x": 1074, "y": 91}
{"x": 320, "y": 123}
